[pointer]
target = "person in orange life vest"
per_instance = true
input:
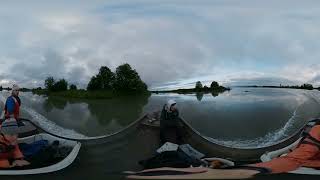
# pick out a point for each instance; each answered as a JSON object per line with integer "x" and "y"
{"x": 10, "y": 154}
{"x": 307, "y": 154}
{"x": 13, "y": 103}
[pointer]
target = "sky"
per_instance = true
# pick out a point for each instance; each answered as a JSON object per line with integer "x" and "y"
{"x": 171, "y": 44}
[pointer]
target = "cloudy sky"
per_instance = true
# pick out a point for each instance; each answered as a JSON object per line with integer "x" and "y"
{"x": 170, "y": 43}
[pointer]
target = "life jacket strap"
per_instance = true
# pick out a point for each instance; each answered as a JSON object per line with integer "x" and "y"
{"x": 311, "y": 140}
{"x": 4, "y": 147}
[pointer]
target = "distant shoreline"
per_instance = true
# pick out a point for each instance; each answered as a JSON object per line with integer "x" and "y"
{"x": 284, "y": 87}
{"x": 109, "y": 94}
{"x": 194, "y": 90}
{"x": 84, "y": 94}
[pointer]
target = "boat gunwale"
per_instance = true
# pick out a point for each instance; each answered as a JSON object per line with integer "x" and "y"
{"x": 67, "y": 161}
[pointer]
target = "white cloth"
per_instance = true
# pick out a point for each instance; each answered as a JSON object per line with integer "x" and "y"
{"x": 170, "y": 103}
{"x": 15, "y": 87}
{"x": 168, "y": 146}
{"x": 9, "y": 126}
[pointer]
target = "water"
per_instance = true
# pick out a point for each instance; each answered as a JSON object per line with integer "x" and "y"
{"x": 246, "y": 117}
{"x": 242, "y": 117}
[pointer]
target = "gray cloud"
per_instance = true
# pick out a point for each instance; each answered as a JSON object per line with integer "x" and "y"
{"x": 316, "y": 79}
{"x": 263, "y": 81}
{"x": 173, "y": 42}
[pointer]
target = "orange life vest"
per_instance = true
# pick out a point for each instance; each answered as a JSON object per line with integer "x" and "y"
{"x": 307, "y": 154}
{"x": 309, "y": 138}
{"x": 9, "y": 152}
{"x": 6, "y": 149}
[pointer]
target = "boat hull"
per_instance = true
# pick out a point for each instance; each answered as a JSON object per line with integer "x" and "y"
{"x": 211, "y": 149}
{"x": 50, "y": 168}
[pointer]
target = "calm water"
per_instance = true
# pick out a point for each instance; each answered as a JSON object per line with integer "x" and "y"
{"x": 251, "y": 117}
{"x": 242, "y": 117}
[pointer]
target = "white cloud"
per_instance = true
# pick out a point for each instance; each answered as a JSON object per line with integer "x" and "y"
{"x": 168, "y": 41}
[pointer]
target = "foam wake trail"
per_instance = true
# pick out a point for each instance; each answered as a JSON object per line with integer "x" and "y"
{"x": 267, "y": 140}
{"x": 278, "y": 135}
{"x": 48, "y": 125}
{"x": 51, "y": 126}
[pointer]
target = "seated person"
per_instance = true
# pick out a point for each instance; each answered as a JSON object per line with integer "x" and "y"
{"x": 306, "y": 154}
{"x": 169, "y": 123}
{"x": 10, "y": 154}
{"x": 13, "y": 103}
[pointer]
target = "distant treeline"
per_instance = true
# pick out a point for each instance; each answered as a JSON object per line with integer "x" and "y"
{"x": 125, "y": 79}
{"x": 304, "y": 86}
{"x": 214, "y": 87}
{"x": 105, "y": 84}
{"x": 8, "y": 89}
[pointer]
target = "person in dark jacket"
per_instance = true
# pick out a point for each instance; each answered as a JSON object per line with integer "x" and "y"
{"x": 170, "y": 123}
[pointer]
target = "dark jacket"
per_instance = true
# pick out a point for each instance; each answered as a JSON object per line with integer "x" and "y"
{"x": 169, "y": 119}
{"x": 169, "y": 127}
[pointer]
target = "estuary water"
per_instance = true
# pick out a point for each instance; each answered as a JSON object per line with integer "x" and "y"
{"x": 242, "y": 117}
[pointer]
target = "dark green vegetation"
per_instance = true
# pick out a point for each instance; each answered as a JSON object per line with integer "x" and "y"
{"x": 56, "y": 86}
{"x": 106, "y": 84}
{"x": 73, "y": 87}
{"x": 125, "y": 79}
{"x": 214, "y": 88}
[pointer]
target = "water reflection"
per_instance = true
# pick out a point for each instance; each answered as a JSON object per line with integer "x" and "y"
{"x": 246, "y": 113}
{"x": 199, "y": 95}
{"x": 124, "y": 110}
{"x": 242, "y": 113}
{"x": 214, "y": 94}
{"x": 89, "y": 117}
{"x": 58, "y": 103}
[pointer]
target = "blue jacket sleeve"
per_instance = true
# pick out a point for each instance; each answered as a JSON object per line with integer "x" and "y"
{"x": 10, "y": 105}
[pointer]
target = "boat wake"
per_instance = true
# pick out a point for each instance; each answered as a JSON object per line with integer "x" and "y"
{"x": 48, "y": 125}
{"x": 267, "y": 140}
{"x": 282, "y": 133}
{"x": 51, "y": 126}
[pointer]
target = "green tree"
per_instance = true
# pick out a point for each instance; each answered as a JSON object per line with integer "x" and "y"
{"x": 214, "y": 85}
{"x": 128, "y": 80}
{"x": 73, "y": 87}
{"x": 93, "y": 84}
{"x": 307, "y": 86}
{"x": 104, "y": 80}
{"x": 49, "y": 83}
{"x": 61, "y": 85}
{"x": 198, "y": 85}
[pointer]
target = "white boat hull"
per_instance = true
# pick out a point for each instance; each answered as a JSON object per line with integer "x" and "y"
{"x": 51, "y": 168}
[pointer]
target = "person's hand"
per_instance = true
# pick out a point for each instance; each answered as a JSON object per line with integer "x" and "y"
{"x": 20, "y": 163}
